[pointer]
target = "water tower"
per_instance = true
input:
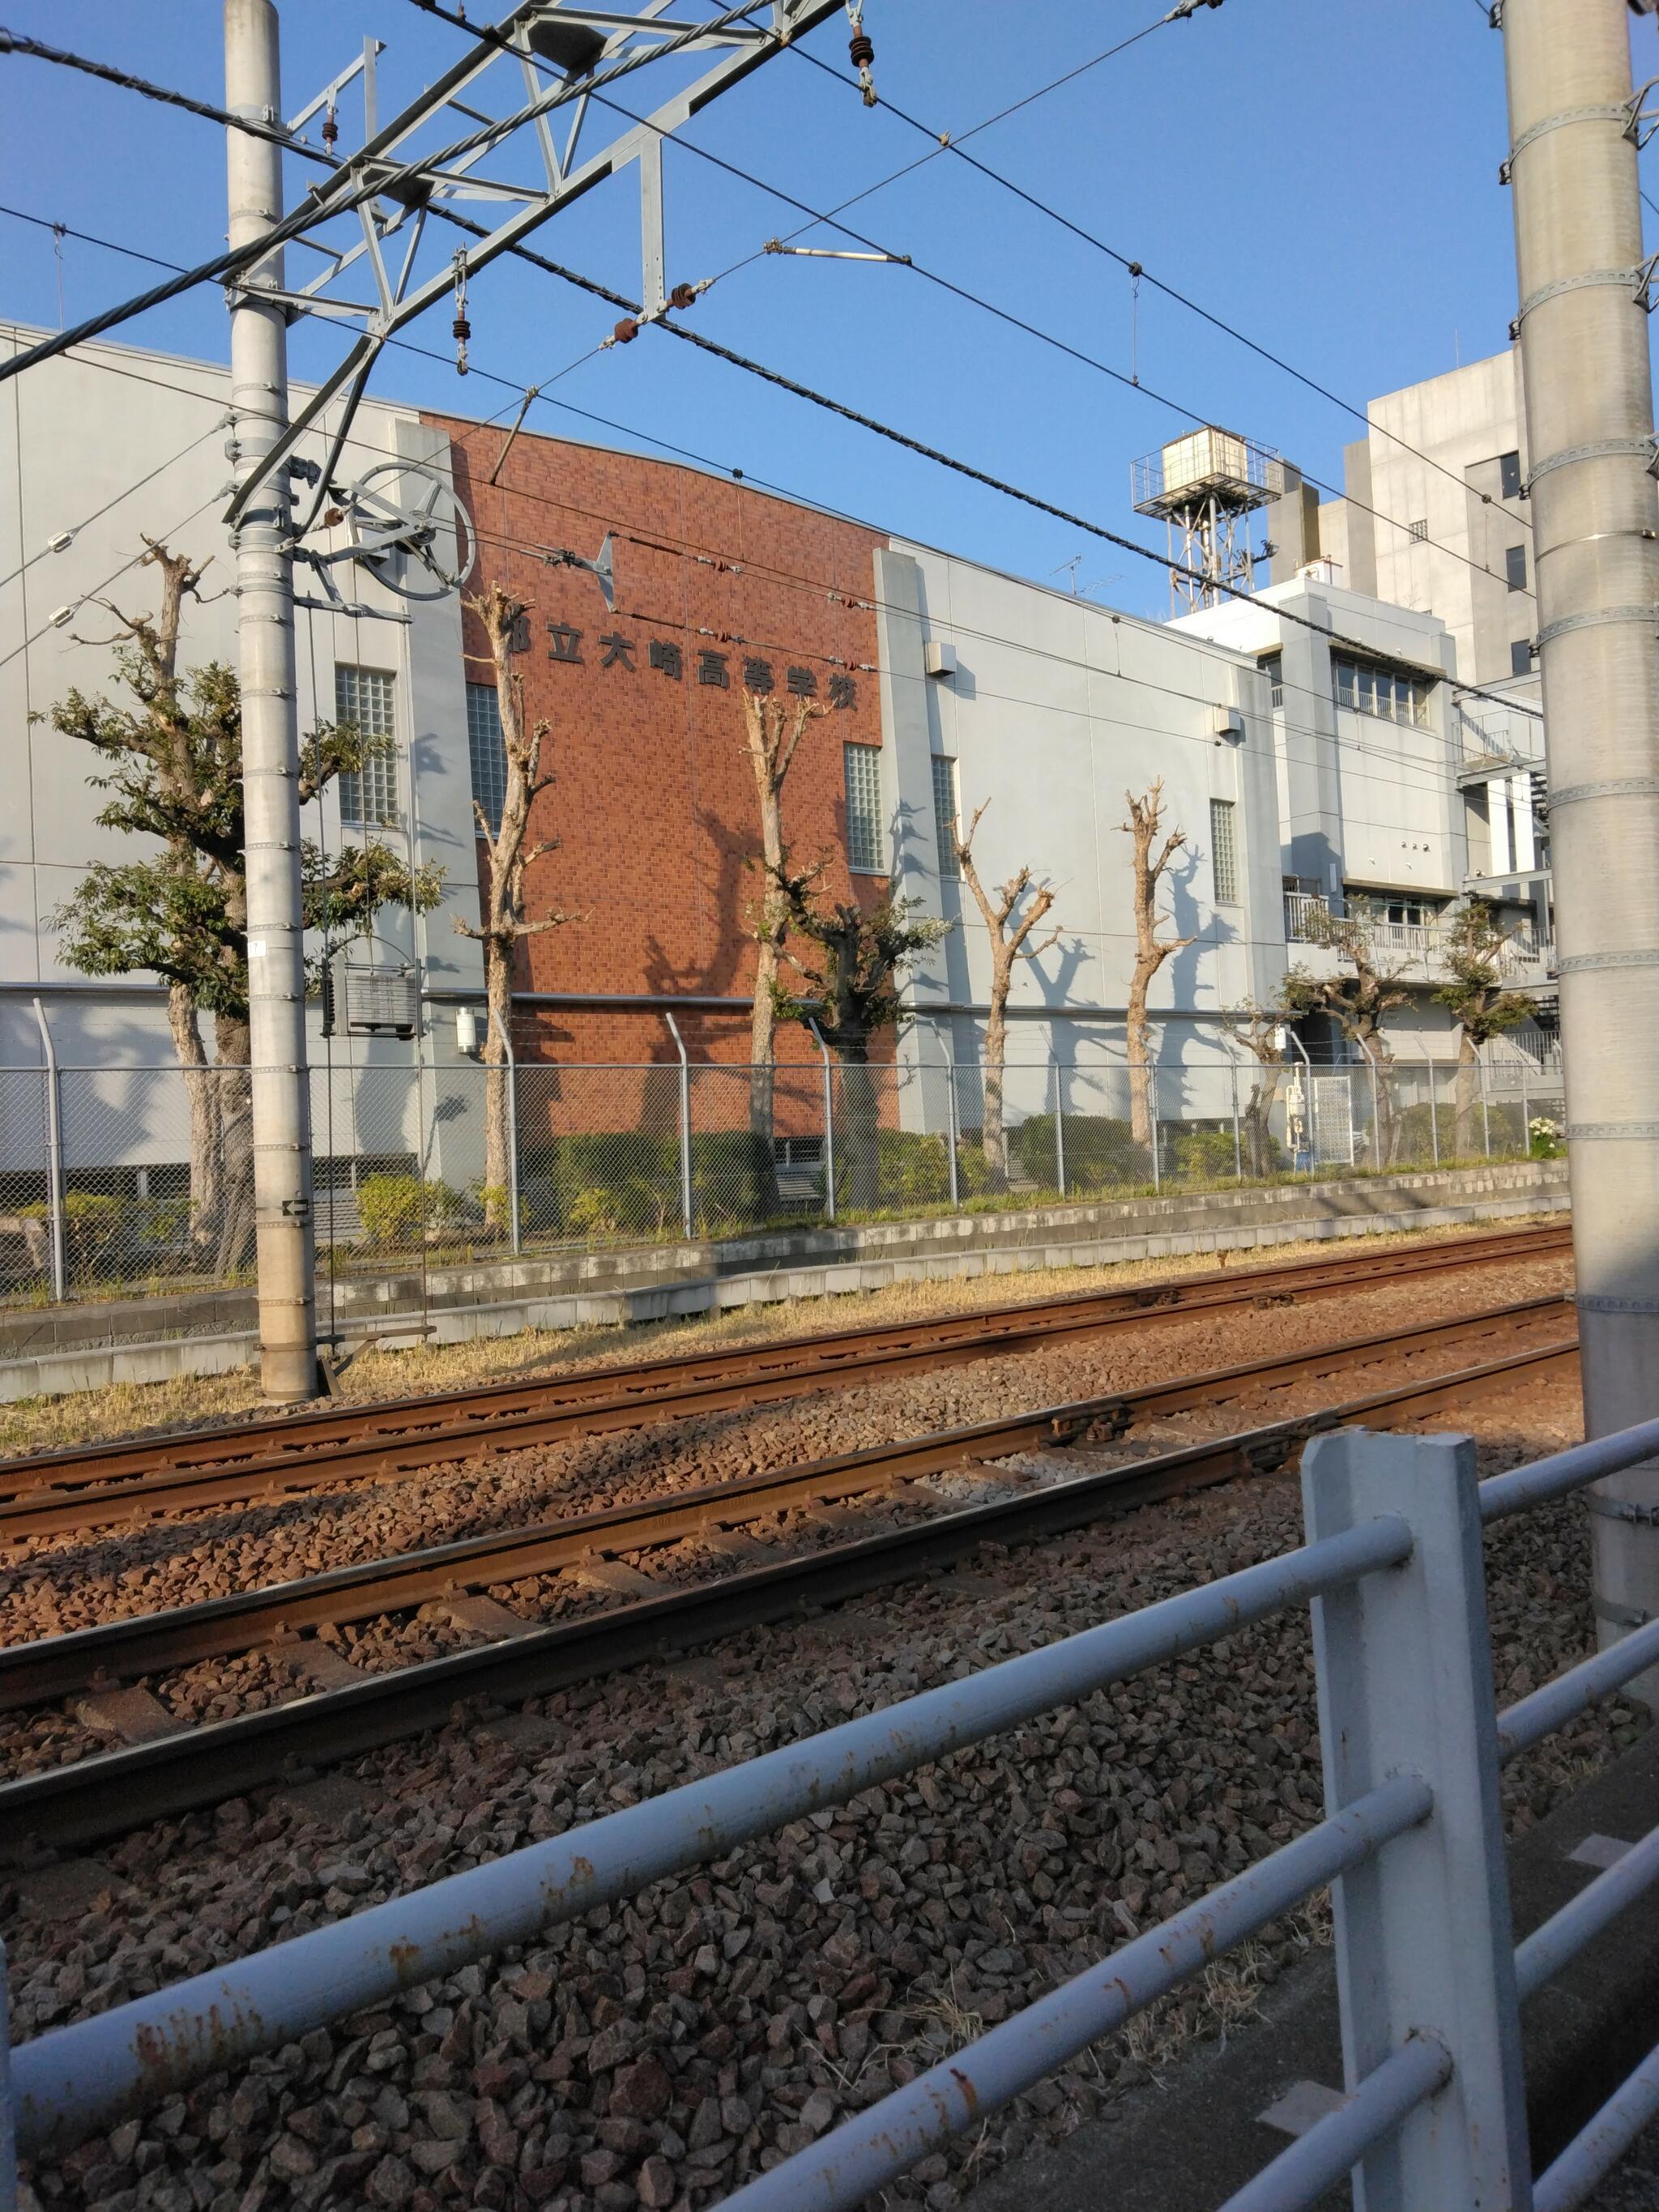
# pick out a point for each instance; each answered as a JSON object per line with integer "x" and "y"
{"x": 1206, "y": 485}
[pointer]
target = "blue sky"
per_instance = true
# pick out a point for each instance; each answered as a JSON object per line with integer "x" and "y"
{"x": 1321, "y": 173}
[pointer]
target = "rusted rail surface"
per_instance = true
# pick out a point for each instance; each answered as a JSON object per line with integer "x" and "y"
{"x": 110, "y": 1792}
{"x": 85, "y": 1486}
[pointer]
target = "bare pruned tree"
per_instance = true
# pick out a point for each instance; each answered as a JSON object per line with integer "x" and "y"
{"x": 1260, "y": 1030}
{"x": 1144, "y": 823}
{"x": 773, "y": 730}
{"x": 505, "y": 922}
{"x": 1008, "y": 941}
{"x": 1474, "y": 953}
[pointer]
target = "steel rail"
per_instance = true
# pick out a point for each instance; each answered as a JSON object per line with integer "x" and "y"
{"x": 81, "y": 1486}
{"x": 115, "y": 1791}
{"x": 150, "y": 1643}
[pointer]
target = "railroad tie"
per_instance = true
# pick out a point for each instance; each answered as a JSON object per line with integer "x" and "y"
{"x": 616, "y": 1575}
{"x": 482, "y": 1615}
{"x": 320, "y": 1664}
{"x": 132, "y": 1714}
{"x": 732, "y": 1544}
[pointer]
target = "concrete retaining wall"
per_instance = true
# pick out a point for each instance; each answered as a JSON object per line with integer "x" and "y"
{"x": 50, "y": 1350}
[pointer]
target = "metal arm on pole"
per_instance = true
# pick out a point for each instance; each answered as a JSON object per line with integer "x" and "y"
{"x": 500, "y": 1028}
{"x": 54, "y": 1160}
{"x": 685, "y": 1123}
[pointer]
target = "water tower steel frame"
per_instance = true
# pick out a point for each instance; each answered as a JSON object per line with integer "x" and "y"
{"x": 1204, "y": 486}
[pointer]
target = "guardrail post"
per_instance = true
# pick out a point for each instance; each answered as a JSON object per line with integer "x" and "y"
{"x": 1423, "y": 1940}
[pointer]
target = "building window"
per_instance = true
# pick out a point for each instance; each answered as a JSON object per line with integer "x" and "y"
{"x": 1520, "y": 656}
{"x": 1272, "y": 667}
{"x": 1509, "y": 475}
{"x": 1420, "y": 530}
{"x": 1369, "y": 688}
{"x": 1224, "y": 857}
{"x": 864, "y": 837}
{"x": 945, "y": 813}
{"x": 488, "y": 749}
{"x": 362, "y": 696}
{"x": 1515, "y": 566}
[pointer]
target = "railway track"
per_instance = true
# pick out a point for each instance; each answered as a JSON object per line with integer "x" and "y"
{"x": 352, "y": 1712}
{"x": 86, "y": 1487}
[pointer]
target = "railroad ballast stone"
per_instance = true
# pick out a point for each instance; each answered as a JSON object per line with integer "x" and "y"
{"x": 798, "y": 1980}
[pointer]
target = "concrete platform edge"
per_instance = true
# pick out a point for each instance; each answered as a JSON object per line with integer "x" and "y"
{"x": 95, "y": 1367}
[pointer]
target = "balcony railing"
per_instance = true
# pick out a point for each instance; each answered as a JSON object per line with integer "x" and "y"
{"x": 1309, "y": 920}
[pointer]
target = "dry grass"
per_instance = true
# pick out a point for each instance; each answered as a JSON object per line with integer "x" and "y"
{"x": 193, "y": 1401}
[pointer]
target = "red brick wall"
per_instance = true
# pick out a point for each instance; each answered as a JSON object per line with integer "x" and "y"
{"x": 654, "y": 806}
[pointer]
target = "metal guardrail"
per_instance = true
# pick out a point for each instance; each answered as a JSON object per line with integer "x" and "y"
{"x": 1429, "y": 1978}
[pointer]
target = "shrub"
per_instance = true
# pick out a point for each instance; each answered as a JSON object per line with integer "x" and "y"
{"x": 398, "y": 1209}
{"x": 1201, "y": 1153}
{"x": 1100, "y": 1151}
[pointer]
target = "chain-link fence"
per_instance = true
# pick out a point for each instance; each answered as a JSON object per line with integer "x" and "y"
{"x": 123, "y": 1181}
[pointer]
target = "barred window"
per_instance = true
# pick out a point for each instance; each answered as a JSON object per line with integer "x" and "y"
{"x": 863, "y": 838}
{"x": 1224, "y": 857}
{"x": 488, "y": 749}
{"x": 945, "y": 813}
{"x": 1515, "y": 566}
{"x": 362, "y": 696}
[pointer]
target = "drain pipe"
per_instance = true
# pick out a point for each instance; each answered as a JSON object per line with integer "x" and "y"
{"x": 685, "y": 1122}
{"x": 500, "y": 1028}
{"x": 54, "y": 1160}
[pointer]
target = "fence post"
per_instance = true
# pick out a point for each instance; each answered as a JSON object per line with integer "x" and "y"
{"x": 951, "y": 1113}
{"x": 829, "y": 1127}
{"x": 1485, "y": 1110}
{"x": 512, "y": 1129}
{"x": 1424, "y": 1940}
{"x": 1526, "y": 1114}
{"x": 54, "y": 1160}
{"x": 1434, "y": 1108}
{"x": 1238, "y": 1142}
{"x": 1060, "y": 1130}
{"x": 1151, "y": 1075}
{"x": 685, "y": 1124}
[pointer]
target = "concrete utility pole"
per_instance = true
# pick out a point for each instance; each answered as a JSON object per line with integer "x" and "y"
{"x": 1589, "y": 432}
{"x": 264, "y": 585}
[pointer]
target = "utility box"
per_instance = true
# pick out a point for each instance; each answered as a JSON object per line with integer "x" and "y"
{"x": 383, "y": 1001}
{"x": 940, "y": 659}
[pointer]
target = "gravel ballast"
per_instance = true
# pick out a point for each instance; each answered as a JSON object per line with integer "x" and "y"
{"x": 657, "y": 2052}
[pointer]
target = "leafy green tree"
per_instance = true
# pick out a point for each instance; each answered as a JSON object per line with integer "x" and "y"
{"x": 850, "y": 961}
{"x": 173, "y": 750}
{"x": 1473, "y": 953}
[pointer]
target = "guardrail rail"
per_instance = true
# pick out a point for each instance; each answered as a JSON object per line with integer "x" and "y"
{"x": 1429, "y": 1976}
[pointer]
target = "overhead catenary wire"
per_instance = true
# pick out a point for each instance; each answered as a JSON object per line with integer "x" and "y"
{"x": 1422, "y": 773}
{"x": 236, "y": 260}
{"x": 591, "y": 87}
{"x": 953, "y": 143}
{"x": 976, "y": 299}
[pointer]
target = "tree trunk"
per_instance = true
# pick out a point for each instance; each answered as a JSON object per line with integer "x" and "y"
{"x": 498, "y": 1130}
{"x": 763, "y": 1020}
{"x": 232, "y": 1046}
{"x": 1139, "y": 1038}
{"x": 1468, "y": 1094}
{"x": 1258, "y": 1115}
{"x": 859, "y": 1170}
{"x": 201, "y": 1097}
{"x": 993, "y": 1135}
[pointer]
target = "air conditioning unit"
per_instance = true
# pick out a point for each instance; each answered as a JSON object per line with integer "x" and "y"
{"x": 1227, "y": 724}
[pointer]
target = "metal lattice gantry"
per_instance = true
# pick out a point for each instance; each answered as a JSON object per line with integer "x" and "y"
{"x": 536, "y": 132}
